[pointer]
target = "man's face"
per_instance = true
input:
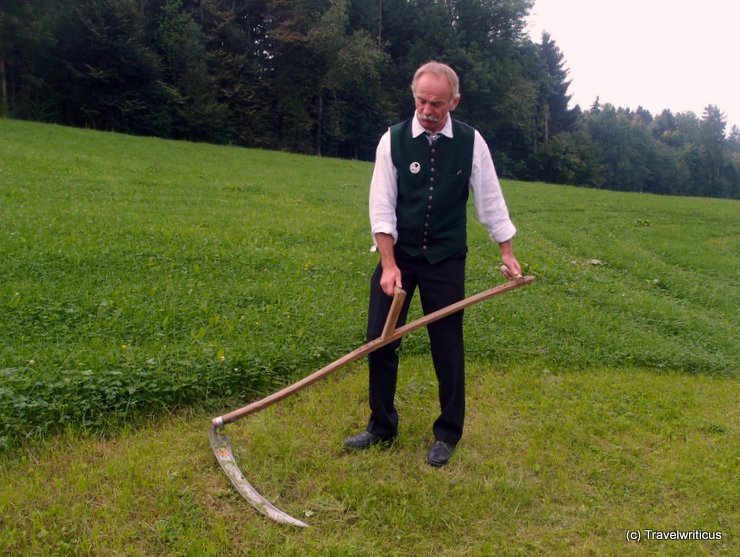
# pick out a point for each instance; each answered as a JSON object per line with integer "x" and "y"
{"x": 433, "y": 99}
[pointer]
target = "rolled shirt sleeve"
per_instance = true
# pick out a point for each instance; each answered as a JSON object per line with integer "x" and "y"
{"x": 490, "y": 205}
{"x": 384, "y": 191}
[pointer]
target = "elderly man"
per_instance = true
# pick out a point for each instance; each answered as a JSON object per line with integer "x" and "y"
{"x": 424, "y": 170}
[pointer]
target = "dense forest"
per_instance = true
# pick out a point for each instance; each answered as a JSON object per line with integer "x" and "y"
{"x": 326, "y": 77}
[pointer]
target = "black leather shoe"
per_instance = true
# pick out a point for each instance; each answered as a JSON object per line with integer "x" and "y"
{"x": 365, "y": 440}
{"x": 440, "y": 453}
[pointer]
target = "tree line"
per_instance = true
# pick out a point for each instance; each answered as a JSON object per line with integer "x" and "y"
{"x": 326, "y": 77}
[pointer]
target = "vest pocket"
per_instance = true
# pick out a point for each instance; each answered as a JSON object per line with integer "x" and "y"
{"x": 457, "y": 179}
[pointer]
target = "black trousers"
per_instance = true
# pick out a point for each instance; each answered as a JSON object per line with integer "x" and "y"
{"x": 439, "y": 285}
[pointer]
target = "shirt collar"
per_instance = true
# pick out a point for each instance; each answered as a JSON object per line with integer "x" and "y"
{"x": 417, "y": 129}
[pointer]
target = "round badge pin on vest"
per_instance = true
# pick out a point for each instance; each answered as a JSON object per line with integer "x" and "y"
{"x": 415, "y": 168}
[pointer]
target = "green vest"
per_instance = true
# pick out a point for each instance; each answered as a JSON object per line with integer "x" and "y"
{"x": 432, "y": 190}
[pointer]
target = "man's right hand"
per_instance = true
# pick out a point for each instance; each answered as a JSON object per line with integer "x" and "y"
{"x": 390, "y": 279}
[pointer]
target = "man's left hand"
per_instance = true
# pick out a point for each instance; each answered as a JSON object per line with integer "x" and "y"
{"x": 510, "y": 268}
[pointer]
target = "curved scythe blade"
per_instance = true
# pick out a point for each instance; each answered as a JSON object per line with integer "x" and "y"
{"x": 221, "y": 446}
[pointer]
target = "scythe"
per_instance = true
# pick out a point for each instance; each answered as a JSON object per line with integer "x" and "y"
{"x": 221, "y": 444}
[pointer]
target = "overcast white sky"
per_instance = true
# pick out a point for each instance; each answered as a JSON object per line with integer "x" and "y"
{"x": 680, "y": 55}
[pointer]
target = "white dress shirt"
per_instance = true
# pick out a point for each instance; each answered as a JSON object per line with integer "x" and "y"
{"x": 490, "y": 206}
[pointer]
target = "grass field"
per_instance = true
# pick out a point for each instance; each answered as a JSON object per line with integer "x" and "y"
{"x": 147, "y": 285}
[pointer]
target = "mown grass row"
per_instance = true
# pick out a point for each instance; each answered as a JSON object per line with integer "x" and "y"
{"x": 552, "y": 462}
{"x": 141, "y": 275}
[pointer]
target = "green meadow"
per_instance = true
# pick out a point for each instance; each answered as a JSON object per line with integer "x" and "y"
{"x": 148, "y": 285}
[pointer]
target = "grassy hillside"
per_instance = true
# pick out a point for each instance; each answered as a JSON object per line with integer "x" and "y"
{"x": 142, "y": 277}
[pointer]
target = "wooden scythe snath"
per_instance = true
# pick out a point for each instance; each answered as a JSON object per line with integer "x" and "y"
{"x": 222, "y": 445}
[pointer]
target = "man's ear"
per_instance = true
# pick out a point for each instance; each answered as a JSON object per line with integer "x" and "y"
{"x": 454, "y": 103}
